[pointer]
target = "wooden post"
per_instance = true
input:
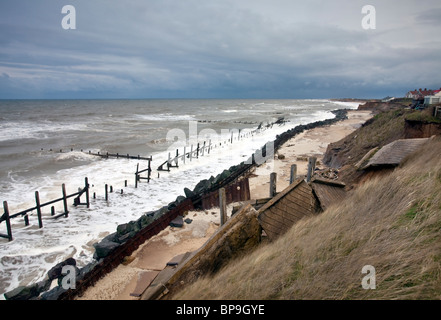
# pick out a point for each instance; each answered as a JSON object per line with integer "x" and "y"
{"x": 26, "y": 219}
{"x": 63, "y": 188}
{"x": 52, "y": 211}
{"x": 273, "y": 184}
{"x": 185, "y": 155}
{"x": 8, "y": 220}
{"x": 222, "y": 206}
{"x": 37, "y": 200}
{"x": 125, "y": 183}
{"x": 106, "y": 192}
{"x": 136, "y": 176}
{"x": 293, "y": 173}
{"x": 197, "y": 152}
{"x": 86, "y": 186}
{"x": 311, "y": 167}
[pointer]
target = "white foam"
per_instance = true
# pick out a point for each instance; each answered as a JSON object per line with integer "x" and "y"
{"x": 347, "y": 104}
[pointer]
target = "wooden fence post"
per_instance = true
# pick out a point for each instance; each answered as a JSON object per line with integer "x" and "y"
{"x": 293, "y": 173}
{"x": 222, "y": 206}
{"x": 273, "y": 184}
{"x": 136, "y": 176}
{"x": 311, "y": 167}
{"x": 63, "y": 188}
{"x": 183, "y": 159}
{"x": 37, "y": 200}
{"x": 86, "y": 186}
{"x": 106, "y": 192}
{"x": 8, "y": 220}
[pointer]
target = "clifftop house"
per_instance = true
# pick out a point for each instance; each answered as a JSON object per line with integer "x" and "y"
{"x": 421, "y": 94}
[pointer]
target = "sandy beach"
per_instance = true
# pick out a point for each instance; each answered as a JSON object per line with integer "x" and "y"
{"x": 154, "y": 254}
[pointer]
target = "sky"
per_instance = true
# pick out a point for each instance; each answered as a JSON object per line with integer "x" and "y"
{"x": 228, "y": 49}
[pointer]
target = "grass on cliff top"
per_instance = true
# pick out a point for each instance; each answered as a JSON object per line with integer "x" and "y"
{"x": 392, "y": 223}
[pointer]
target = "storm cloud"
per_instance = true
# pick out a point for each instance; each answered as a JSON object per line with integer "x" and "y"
{"x": 217, "y": 49}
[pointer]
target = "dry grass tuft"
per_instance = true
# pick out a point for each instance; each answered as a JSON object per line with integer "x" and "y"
{"x": 392, "y": 223}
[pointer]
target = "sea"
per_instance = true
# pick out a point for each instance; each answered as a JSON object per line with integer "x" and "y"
{"x": 47, "y": 143}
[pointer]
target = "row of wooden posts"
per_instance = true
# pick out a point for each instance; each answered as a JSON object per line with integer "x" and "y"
{"x": 38, "y": 206}
{"x": 199, "y": 150}
{"x": 272, "y": 188}
{"x": 293, "y": 175}
{"x": 7, "y": 216}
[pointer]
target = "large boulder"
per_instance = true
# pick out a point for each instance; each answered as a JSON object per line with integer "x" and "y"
{"x": 188, "y": 193}
{"x": 104, "y": 248}
{"x": 29, "y": 292}
{"x": 55, "y": 272}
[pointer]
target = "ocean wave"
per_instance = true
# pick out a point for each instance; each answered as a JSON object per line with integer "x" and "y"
{"x": 31, "y": 130}
{"x": 165, "y": 117}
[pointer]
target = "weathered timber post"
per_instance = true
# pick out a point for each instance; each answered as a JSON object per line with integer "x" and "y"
{"x": 8, "y": 220}
{"x": 197, "y": 151}
{"x": 37, "y": 200}
{"x": 52, "y": 210}
{"x": 149, "y": 172}
{"x": 222, "y": 206}
{"x": 63, "y": 188}
{"x": 136, "y": 176}
{"x": 293, "y": 175}
{"x": 86, "y": 186}
{"x": 106, "y": 192}
{"x": 185, "y": 155}
{"x": 311, "y": 167}
{"x": 273, "y": 184}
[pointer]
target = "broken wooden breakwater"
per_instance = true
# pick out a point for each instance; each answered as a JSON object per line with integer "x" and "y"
{"x": 200, "y": 149}
{"x": 25, "y": 213}
{"x": 118, "y": 156}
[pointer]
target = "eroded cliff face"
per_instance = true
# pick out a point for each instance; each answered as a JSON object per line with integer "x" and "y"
{"x": 420, "y": 129}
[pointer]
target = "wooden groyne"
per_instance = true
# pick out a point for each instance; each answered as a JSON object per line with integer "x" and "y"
{"x": 7, "y": 216}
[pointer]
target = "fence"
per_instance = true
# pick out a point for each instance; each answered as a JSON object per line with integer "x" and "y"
{"x": 38, "y": 206}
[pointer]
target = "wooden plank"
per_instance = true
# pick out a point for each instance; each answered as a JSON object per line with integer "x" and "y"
{"x": 222, "y": 206}
{"x": 301, "y": 202}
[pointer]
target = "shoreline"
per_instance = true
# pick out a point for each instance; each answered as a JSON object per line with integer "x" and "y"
{"x": 153, "y": 255}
